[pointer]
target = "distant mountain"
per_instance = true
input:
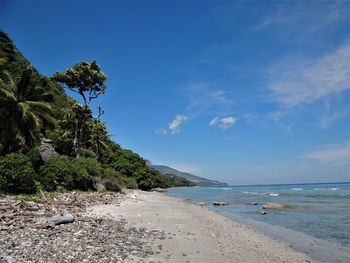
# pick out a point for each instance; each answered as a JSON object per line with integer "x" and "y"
{"x": 193, "y": 178}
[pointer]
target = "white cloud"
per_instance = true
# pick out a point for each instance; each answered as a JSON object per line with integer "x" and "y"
{"x": 295, "y": 83}
{"x": 223, "y": 123}
{"x": 174, "y": 126}
{"x": 336, "y": 154}
{"x": 162, "y": 131}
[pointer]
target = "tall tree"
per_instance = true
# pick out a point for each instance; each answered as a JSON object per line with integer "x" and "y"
{"x": 98, "y": 138}
{"x": 89, "y": 82}
{"x": 25, "y": 110}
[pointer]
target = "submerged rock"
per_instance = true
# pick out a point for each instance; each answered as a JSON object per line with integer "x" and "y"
{"x": 276, "y": 206}
{"x": 252, "y": 203}
{"x": 200, "y": 203}
{"x": 220, "y": 203}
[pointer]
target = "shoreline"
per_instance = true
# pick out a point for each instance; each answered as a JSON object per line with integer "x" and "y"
{"x": 317, "y": 249}
{"x": 196, "y": 233}
{"x": 139, "y": 226}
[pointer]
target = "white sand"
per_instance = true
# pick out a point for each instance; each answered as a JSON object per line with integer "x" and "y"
{"x": 199, "y": 235}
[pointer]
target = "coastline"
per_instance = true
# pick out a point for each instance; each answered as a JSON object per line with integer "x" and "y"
{"x": 139, "y": 226}
{"x": 196, "y": 234}
{"x": 317, "y": 249}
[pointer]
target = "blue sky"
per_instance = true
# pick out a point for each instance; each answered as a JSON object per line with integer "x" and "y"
{"x": 245, "y": 92}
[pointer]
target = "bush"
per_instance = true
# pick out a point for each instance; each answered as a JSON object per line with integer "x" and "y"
{"x": 159, "y": 180}
{"x": 68, "y": 172}
{"x": 88, "y": 153}
{"x": 17, "y": 174}
{"x": 35, "y": 158}
{"x": 92, "y": 166}
{"x": 109, "y": 172}
{"x": 128, "y": 182}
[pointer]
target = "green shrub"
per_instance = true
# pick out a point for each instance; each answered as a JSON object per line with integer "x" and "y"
{"x": 128, "y": 182}
{"x": 109, "y": 172}
{"x": 143, "y": 178}
{"x": 88, "y": 153}
{"x": 68, "y": 172}
{"x": 92, "y": 166}
{"x": 35, "y": 158}
{"x": 17, "y": 174}
{"x": 159, "y": 180}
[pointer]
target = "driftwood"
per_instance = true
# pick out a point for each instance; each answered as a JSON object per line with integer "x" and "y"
{"x": 63, "y": 218}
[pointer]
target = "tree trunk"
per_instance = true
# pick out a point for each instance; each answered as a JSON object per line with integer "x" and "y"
{"x": 78, "y": 137}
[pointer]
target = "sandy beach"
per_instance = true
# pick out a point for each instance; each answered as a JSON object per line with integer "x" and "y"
{"x": 140, "y": 227}
{"x": 196, "y": 234}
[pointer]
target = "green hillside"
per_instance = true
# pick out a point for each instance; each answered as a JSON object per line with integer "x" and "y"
{"x": 190, "y": 177}
{"x": 35, "y": 112}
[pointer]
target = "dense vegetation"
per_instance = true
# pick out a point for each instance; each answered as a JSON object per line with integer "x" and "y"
{"x": 34, "y": 108}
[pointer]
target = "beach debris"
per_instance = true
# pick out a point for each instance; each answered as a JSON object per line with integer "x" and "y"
{"x": 200, "y": 203}
{"x": 251, "y": 203}
{"x": 35, "y": 211}
{"x": 29, "y": 236}
{"x": 64, "y": 218}
{"x": 276, "y": 206}
{"x": 220, "y": 203}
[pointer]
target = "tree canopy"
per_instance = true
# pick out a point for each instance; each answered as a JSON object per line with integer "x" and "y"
{"x": 34, "y": 107}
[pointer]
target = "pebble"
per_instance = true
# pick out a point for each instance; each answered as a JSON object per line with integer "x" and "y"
{"x": 26, "y": 238}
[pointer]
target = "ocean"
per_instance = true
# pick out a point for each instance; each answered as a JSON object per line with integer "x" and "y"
{"x": 319, "y": 210}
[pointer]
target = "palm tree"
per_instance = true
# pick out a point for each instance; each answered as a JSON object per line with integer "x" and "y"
{"x": 98, "y": 137}
{"x": 25, "y": 110}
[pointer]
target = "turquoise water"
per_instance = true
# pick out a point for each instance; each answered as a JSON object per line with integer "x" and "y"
{"x": 321, "y": 210}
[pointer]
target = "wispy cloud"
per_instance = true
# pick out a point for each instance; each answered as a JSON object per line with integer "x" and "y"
{"x": 206, "y": 97}
{"x": 162, "y": 131}
{"x": 336, "y": 154}
{"x": 329, "y": 116}
{"x": 296, "y": 83}
{"x": 282, "y": 121}
{"x": 223, "y": 123}
{"x": 174, "y": 126}
{"x": 303, "y": 19}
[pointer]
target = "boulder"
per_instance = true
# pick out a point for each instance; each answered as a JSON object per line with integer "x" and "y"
{"x": 106, "y": 184}
{"x": 276, "y": 206}
{"x": 220, "y": 203}
{"x": 47, "y": 150}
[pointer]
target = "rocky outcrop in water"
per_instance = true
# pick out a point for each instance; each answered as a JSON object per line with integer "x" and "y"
{"x": 276, "y": 206}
